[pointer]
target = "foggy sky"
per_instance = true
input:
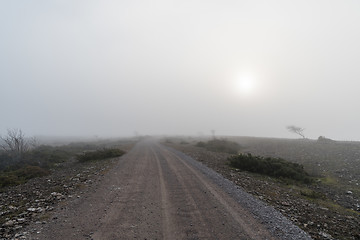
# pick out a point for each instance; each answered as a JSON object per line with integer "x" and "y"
{"x": 110, "y": 68}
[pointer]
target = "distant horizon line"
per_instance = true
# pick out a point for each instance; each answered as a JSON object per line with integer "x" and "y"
{"x": 99, "y": 137}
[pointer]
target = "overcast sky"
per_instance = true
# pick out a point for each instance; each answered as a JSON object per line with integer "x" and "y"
{"x": 248, "y": 68}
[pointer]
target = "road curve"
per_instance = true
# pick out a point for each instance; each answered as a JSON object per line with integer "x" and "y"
{"x": 155, "y": 192}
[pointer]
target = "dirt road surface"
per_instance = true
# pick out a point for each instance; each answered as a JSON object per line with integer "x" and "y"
{"x": 155, "y": 192}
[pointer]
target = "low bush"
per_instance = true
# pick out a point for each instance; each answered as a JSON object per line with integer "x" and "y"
{"x": 43, "y": 156}
{"x": 47, "y": 156}
{"x": 99, "y": 154}
{"x": 8, "y": 179}
{"x": 201, "y": 144}
{"x": 312, "y": 194}
{"x": 220, "y": 145}
{"x": 274, "y": 167}
{"x": 21, "y": 175}
{"x": 29, "y": 172}
{"x": 35, "y": 162}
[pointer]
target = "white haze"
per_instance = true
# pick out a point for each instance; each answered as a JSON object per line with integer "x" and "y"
{"x": 110, "y": 68}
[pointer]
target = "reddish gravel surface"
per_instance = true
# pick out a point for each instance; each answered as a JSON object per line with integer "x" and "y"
{"x": 155, "y": 192}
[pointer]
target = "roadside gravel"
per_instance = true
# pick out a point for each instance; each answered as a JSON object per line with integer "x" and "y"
{"x": 320, "y": 219}
{"x": 267, "y": 215}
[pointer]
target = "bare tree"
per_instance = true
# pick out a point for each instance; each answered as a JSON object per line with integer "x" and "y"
{"x": 33, "y": 143}
{"x": 14, "y": 143}
{"x": 296, "y": 130}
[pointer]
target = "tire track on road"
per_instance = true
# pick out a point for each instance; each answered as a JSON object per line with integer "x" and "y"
{"x": 154, "y": 192}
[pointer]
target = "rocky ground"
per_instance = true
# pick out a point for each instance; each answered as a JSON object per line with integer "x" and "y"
{"x": 35, "y": 200}
{"x": 321, "y": 217}
{"x": 154, "y": 192}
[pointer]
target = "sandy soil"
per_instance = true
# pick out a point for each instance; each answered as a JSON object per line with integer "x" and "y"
{"x": 154, "y": 192}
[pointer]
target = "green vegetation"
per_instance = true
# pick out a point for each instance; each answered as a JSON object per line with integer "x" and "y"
{"x": 38, "y": 161}
{"x": 329, "y": 180}
{"x": 99, "y": 154}
{"x": 21, "y": 175}
{"x": 43, "y": 156}
{"x": 33, "y": 163}
{"x": 274, "y": 167}
{"x": 220, "y": 145}
{"x": 312, "y": 194}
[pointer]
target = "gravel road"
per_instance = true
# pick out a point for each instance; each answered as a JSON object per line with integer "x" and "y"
{"x": 156, "y": 192}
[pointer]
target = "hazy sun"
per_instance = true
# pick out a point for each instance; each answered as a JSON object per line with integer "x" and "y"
{"x": 246, "y": 84}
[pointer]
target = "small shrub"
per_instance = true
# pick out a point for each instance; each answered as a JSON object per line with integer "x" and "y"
{"x": 29, "y": 172}
{"x": 323, "y": 139}
{"x": 21, "y": 175}
{"x": 312, "y": 194}
{"x": 5, "y": 160}
{"x": 200, "y": 144}
{"x": 8, "y": 180}
{"x": 274, "y": 167}
{"x": 220, "y": 145}
{"x": 99, "y": 154}
{"x": 37, "y": 161}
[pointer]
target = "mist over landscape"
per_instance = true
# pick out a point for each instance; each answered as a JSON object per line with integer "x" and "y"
{"x": 180, "y": 119}
{"x": 241, "y": 68}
